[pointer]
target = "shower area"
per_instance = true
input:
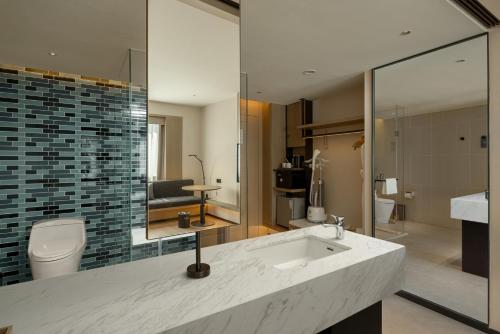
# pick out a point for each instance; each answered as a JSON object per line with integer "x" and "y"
{"x": 389, "y": 172}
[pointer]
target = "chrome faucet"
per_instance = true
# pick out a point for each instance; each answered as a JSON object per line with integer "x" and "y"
{"x": 338, "y": 223}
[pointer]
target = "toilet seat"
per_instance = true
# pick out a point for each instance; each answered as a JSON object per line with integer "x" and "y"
{"x": 54, "y": 252}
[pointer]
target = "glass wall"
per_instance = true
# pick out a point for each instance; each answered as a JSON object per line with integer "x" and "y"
{"x": 72, "y": 134}
{"x": 431, "y": 172}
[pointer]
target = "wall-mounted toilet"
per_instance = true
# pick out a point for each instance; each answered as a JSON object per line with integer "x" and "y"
{"x": 56, "y": 246}
{"x": 383, "y": 209}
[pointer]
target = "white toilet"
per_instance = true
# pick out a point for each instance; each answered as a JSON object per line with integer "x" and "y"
{"x": 383, "y": 209}
{"x": 56, "y": 246}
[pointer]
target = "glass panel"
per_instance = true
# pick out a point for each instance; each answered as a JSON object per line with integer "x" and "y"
{"x": 431, "y": 135}
{"x": 195, "y": 88}
{"x": 389, "y": 164}
{"x": 77, "y": 125}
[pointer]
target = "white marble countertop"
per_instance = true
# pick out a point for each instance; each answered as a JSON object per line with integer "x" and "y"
{"x": 471, "y": 207}
{"x": 242, "y": 294}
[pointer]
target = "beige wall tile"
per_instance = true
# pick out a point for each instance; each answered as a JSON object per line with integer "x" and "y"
{"x": 444, "y": 138}
{"x": 420, "y": 169}
{"x": 479, "y": 170}
{"x": 463, "y": 131}
{"x": 433, "y": 161}
{"x": 478, "y": 129}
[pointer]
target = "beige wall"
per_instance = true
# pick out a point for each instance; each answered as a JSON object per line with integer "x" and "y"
{"x": 495, "y": 179}
{"x": 342, "y": 177}
{"x": 219, "y": 137}
{"x": 433, "y": 161}
{"x": 191, "y": 134}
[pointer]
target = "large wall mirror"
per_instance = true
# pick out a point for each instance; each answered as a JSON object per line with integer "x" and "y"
{"x": 194, "y": 155}
{"x": 73, "y": 110}
{"x": 431, "y": 172}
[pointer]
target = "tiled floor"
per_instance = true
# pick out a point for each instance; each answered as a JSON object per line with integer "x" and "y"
{"x": 433, "y": 270}
{"x": 400, "y": 316}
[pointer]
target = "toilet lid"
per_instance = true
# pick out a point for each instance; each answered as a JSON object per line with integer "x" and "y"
{"x": 54, "y": 251}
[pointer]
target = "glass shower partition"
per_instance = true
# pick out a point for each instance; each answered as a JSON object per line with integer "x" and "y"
{"x": 389, "y": 164}
{"x": 137, "y": 141}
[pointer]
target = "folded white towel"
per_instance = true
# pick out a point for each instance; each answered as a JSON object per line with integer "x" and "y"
{"x": 390, "y": 186}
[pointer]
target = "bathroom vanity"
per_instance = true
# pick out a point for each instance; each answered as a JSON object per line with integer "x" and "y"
{"x": 472, "y": 210}
{"x": 302, "y": 281}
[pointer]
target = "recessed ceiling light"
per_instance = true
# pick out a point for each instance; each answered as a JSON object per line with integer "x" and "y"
{"x": 460, "y": 61}
{"x": 309, "y": 72}
{"x": 405, "y": 32}
{"x": 52, "y": 53}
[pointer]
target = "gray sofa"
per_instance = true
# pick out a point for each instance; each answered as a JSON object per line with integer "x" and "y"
{"x": 168, "y": 194}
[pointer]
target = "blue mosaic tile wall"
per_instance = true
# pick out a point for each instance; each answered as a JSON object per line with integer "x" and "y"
{"x": 68, "y": 148}
{"x": 65, "y": 152}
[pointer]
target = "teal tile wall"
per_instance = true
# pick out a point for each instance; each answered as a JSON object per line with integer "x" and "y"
{"x": 65, "y": 152}
{"x": 72, "y": 148}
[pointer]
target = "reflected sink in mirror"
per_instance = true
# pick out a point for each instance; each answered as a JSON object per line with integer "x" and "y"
{"x": 297, "y": 252}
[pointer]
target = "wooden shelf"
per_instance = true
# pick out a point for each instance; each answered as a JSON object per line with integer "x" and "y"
{"x": 288, "y": 190}
{"x": 316, "y": 126}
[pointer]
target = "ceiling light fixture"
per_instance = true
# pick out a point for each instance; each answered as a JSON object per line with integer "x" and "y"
{"x": 405, "y": 32}
{"x": 52, "y": 53}
{"x": 309, "y": 72}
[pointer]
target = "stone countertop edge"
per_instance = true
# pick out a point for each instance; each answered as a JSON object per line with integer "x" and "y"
{"x": 470, "y": 207}
{"x": 242, "y": 294}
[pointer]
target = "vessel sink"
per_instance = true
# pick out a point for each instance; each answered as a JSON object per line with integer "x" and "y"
{"x": 298, "y": 252}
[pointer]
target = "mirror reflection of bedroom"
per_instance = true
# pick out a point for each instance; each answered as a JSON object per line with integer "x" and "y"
{"x": 193, "y": 167}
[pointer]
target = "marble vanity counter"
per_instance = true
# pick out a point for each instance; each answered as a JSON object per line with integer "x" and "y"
{"x": 242, "y": 295}
{"x": 471, "y": 208}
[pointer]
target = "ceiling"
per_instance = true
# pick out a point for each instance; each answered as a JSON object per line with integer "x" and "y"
{"x": 492, "y": 5}
{"x": 198, "y": 64}
{"x": 338, "y": 38}
{"x": 90, "y": 37}
{"x": 194, "y": 64}
{"x": 435, "y": 81}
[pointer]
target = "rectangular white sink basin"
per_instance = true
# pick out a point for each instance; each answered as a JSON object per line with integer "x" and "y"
{"x": 297, "y": 252}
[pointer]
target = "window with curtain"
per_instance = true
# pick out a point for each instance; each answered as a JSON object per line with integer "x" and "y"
{"x": 154, "y": 150}
{"x": 164, "y": 148}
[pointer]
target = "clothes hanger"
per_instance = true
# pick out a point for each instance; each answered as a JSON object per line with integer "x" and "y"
{"x": 358, "y": 143}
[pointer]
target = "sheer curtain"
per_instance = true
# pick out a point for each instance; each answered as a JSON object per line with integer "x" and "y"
{"x": 154, "y": 152}
{"x": 156, "y": 148}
